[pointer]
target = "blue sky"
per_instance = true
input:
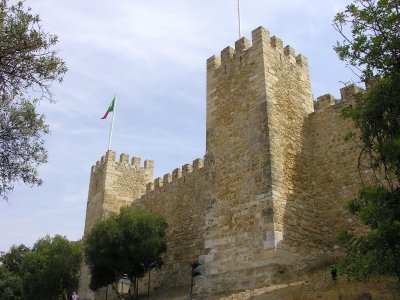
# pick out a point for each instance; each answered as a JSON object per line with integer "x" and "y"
{"x": 152, "y": 54}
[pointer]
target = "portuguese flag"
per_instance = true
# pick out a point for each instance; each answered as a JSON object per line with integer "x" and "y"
{"x": 110, "y": 108}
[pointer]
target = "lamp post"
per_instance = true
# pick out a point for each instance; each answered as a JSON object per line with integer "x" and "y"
{"x": 152, "y": 265}
{"x": 123, "y": 285}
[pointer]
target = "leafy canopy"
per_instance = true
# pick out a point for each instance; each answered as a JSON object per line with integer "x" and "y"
{"x": 28, "y": 66}
{"x": 127, "y": 243}
{"x": 374, "y": 49}
{"x": 12, "y": 260}
{"x": 373, "y": 46}
{"x": 10, "y": 271}
{"x": 50, "y": 270}
{"x": 376, "y": 115}
{"x": 378, "y": 252}
{"x": 10, "y": 285}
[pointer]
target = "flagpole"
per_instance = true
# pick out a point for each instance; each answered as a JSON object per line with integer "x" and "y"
{"x": 238, "y": 9}
{"x": 112, "y": 123}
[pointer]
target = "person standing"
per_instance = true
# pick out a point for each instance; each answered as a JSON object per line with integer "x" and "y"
{"x": 75, "y": 296}
{"x": 333, "y": 274}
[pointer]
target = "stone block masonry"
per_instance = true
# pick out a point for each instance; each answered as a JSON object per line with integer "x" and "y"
{"x": 112, "y": 185}
{"x": 269, "y": 193}
{"x": 258, "y": 97}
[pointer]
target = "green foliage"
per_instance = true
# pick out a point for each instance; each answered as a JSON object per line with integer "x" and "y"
{"x": 12, "y": 260}
{"x": 28, "y": 66}
{"x": 10, "y": 272}
{"x": 376, "y": 115}
{"x": 10, "y": 285}
{"x": 373, "y": 47}
{"x": 378, "y": 251}
{"x": 127, "y": 243}
{"x": 47, "y": 271}
{"x": 22, "y": 149}
{"x": 51, "y": 269}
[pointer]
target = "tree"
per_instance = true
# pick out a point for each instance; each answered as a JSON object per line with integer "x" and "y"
{"x": 10, "y": 273}
{"x": 10, "y": 285}
{"x": 12, "y": 260}
{"x": 374, "y": 50}
{"x": 127, "y": 243}
{"x": 378, "y": 251}
{"x": 28, "y": 66}
{"x": 374, "y": 45}
{"x": 51, "y": 269}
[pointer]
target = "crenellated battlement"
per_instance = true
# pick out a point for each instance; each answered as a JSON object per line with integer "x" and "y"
{"x": 265, "y": 196}
{"x": 261, "y": 40}
{"x": 177, "y": 174}
{"x": 346, "y": 93}
{"x": 134, "y": 163}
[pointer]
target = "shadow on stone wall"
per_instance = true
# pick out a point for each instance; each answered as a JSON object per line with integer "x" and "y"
{"x": 325, "y": 176}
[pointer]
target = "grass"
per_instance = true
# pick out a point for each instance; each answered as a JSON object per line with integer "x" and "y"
{"x": 318, "y": 285}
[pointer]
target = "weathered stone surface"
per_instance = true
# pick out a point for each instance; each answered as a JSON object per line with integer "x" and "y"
{"x": 269, "y": 194}
{"x": 112, "y": 185}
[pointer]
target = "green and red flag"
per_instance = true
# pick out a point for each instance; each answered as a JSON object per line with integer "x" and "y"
{"x": 110, "y": 108}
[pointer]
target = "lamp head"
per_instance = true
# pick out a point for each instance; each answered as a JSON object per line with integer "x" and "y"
{"x": 123, "y": 284}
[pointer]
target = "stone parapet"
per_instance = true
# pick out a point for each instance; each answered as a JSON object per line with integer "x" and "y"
{"x": 260, "y": 40}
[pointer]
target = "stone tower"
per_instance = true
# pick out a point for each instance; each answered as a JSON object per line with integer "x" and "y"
{"x": 258, "y": 98}
{"x": 112, "y": 186}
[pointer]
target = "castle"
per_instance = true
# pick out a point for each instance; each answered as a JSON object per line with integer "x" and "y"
{"x": 270, "y": 191}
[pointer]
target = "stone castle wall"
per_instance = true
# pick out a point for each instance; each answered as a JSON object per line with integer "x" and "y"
{"x": 335, "y": 174}
{"x": 182, "y": 198}
{"x": 270, "y": 190}
{"x": 112, "y": 185}
{"x": 115, "y": 184}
